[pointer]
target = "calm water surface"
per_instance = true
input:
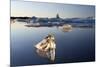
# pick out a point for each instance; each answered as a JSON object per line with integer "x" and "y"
{"x": 74, "y": 46}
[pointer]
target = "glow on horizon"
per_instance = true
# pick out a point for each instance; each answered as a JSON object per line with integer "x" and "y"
{"x": 40, "y": 9}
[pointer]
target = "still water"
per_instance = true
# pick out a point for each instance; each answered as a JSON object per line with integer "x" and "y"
{"x": 77, "y": 45}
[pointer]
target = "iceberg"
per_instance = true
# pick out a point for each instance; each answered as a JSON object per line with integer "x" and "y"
{"x": 46, "y": 48}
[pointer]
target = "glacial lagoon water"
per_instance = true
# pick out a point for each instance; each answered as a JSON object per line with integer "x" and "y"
{"x": 77, "y": 45}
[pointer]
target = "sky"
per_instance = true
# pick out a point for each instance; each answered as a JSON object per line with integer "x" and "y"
{"x": 42, "y": 9}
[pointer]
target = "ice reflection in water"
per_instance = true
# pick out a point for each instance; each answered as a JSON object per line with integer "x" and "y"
{"x": 50, "y": 54}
